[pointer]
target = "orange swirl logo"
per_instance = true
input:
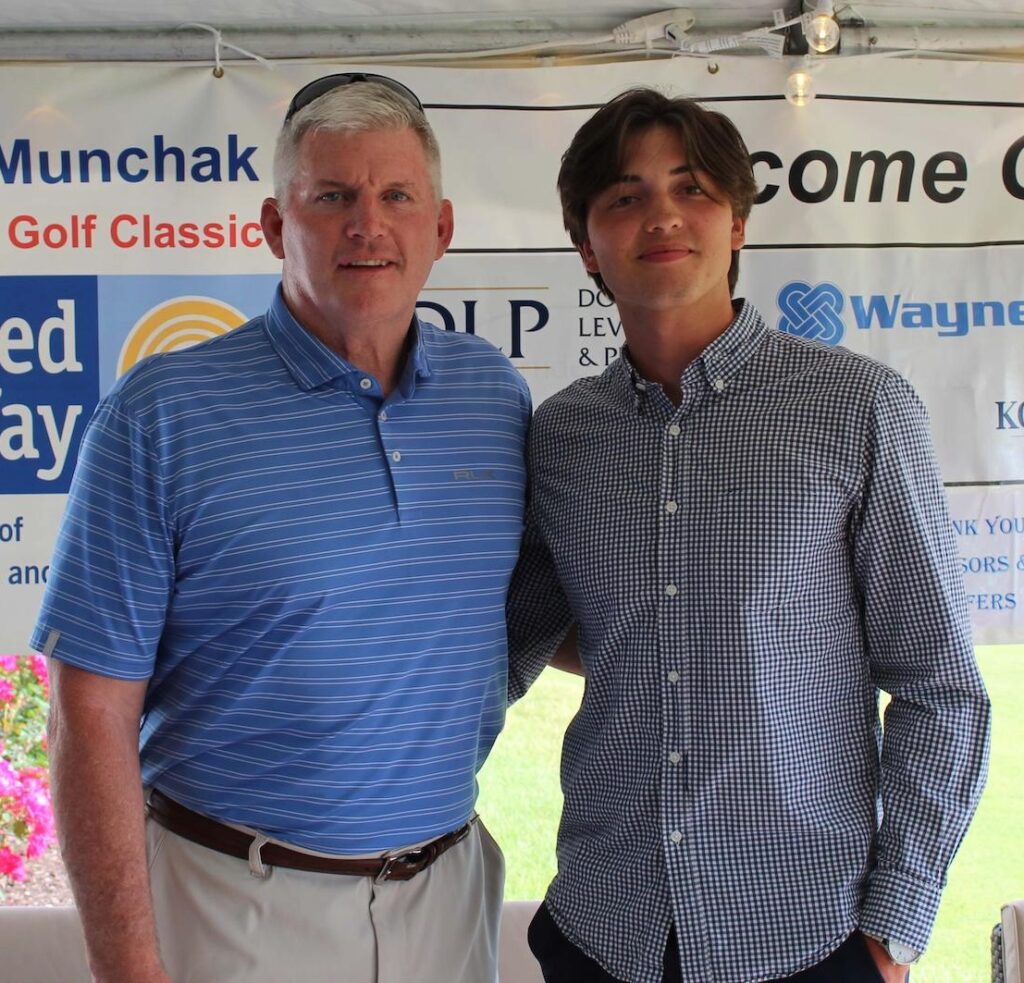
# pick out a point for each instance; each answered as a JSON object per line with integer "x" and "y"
{"x": 176, "y": 324}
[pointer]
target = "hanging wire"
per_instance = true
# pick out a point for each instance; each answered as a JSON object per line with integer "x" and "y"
{"x": 218, "y": 43}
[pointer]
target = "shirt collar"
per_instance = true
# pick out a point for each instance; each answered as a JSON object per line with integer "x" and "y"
{"x": 717, "y": 364}
{"x": 732, "y": 349}
{"x": 311, "y": 363}
{"x": 417, "y": 362}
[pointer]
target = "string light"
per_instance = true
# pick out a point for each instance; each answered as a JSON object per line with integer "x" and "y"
{"x": 800, "y": 87}
{"x": 821, "y": 28}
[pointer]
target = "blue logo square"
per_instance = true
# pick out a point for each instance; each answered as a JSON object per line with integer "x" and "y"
{"x": 49, "y": 379}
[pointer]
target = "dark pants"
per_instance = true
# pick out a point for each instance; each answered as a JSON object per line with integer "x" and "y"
{"x": 561, "y": 962}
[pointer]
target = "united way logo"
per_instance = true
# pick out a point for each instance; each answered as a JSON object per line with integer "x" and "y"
{"x": 812, "y": 311}
{"x": 174, "y": 324}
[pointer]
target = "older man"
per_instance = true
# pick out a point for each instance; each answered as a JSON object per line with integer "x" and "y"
{"x": 285, "y": 557}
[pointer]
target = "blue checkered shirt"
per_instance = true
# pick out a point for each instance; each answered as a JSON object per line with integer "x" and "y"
{"x": 747, "y": 571}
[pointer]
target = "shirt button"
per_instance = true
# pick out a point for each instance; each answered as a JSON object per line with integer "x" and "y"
{"x": 674, "y": 430}
{"x": 671, "y": 590}
{"x": 365, "y": 383}
{"x": 673, "y": 676}
{"x": 675, "y": 836}
{"x": 719, "y": 385}
{"x": 396, "y": 456}
{"x": 675, "y": 757}
{"x": 382, "y": 416}
{"x": 671, "y": 507}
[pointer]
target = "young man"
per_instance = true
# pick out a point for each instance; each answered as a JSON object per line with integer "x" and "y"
{"x": 270, "y": 563}
{"x": 749, "y": 531}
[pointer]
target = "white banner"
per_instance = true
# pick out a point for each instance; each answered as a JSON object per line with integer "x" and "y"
{"x": 891, "y": 221}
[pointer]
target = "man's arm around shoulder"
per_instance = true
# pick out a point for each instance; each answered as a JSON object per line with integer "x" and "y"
{"x": 97, "y": 793}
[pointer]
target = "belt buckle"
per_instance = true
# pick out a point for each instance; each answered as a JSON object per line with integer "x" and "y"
{"x": 384, "y": 873}
{"x": 409, "y": 857}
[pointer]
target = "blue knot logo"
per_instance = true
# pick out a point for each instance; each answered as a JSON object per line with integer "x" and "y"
{"x": 812, "y": 312}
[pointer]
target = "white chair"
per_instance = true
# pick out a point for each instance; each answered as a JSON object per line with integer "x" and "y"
{"x": 1008, "y": 945}
{"x": 45, "y": 945}
{"x": 42, "y": 945}
{"x": 515, "y": 961}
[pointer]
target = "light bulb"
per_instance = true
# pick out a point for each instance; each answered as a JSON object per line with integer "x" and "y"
{"x": 822, "y": 32}
{"x": 800, "y": 88}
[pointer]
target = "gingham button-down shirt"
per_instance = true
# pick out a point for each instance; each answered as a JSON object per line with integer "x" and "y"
{"x": 747, "y": 570}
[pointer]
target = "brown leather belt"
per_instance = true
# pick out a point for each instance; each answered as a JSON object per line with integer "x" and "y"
{"x": 226, "y": 839}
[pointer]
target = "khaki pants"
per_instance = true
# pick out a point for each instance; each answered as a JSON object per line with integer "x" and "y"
{"x": 217, "y": 923}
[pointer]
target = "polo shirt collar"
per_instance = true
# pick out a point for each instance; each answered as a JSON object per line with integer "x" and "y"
{"x": 417, "y": 362}
{"x": 311, "y": 363}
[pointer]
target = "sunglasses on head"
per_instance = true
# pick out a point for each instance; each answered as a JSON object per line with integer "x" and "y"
{"x": 321, "y": 86}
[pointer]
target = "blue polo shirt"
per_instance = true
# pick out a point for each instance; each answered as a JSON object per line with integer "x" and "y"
{"x": 311, "y": 577}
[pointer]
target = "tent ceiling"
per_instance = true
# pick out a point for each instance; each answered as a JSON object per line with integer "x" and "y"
{"x": 63, "y": 15}
{"x": 78, "y": 29}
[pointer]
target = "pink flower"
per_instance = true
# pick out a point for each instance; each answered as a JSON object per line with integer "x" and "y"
{"x": 9, "y": 781}
{"x": 33, "y": 798}
{"x": 11, "y": 864}
{"x": 26, "y": 814}
{"x": 38, "y": 843}
{"x": 37, "y": 663}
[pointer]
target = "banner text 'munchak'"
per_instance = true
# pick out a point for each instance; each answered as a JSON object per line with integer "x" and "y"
{"x": 21, "y": 163}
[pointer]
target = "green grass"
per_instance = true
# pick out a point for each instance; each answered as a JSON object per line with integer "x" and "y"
{"x": 520, "y": 798}
{"x": 989, "y": 869}
{"x": 521, "y": 801}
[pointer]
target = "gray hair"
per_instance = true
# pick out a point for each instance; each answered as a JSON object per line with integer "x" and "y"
{"x": 356, "y": 107}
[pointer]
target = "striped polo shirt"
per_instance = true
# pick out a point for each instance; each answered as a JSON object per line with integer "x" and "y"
{"x": 311, "y": 577}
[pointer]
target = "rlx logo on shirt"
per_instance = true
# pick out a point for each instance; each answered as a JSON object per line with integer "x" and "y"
{"x": 465, "y": 474}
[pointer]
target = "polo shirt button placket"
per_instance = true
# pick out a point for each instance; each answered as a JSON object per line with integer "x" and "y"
{"x": 394, "y": 458}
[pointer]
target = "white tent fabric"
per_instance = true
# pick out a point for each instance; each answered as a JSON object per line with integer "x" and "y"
{"x": 117, "y": 30}
{"x": 293, "y": 14}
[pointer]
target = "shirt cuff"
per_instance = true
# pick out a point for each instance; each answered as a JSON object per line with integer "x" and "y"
{"x": 900, "y": 907}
